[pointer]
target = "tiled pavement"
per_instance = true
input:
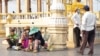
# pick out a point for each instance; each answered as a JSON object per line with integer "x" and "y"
{"x": 71, "y": 52}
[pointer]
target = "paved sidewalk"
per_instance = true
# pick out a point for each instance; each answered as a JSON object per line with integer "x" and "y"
{"x": 70, "y": 52}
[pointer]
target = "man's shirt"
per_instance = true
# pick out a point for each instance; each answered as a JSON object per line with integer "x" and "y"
{"x": 76, "y": 20}
{"x": 88, "y": 21}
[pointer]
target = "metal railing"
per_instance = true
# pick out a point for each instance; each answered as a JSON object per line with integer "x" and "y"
{"x": 3, "y": 15}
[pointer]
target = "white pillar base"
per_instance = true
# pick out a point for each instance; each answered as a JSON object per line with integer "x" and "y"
{"x": 57, "y": 39}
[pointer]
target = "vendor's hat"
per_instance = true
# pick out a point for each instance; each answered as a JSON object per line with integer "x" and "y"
{"x": 33, "y": 30}
{"x": 26, "y": 27}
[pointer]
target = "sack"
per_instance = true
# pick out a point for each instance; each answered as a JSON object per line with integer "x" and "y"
{"x": 46, "y": 36}
{"x": 16, "y": 47}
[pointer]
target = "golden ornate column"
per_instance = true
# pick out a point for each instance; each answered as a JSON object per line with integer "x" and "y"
{"x": 71, "y": 42}
{"x": 39, "y": 6}
{"x": 18, "y": 6}
{"x": 27, "y": 5}
{"x": 6, "y": 6}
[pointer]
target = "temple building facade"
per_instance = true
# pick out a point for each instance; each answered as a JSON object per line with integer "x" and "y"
{"x": 55, "y": 23}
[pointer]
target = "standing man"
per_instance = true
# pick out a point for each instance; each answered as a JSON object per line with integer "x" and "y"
{"x": 77, "y": 21}
{"x": 88, "y": 30}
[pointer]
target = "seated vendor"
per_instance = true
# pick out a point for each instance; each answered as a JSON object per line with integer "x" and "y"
{"x": 37, "y": 38}
{"x": 12, "y": 38}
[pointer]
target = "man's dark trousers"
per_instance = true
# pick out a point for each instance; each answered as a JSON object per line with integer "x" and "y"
{"x": 77, "y": 35}
{"x": 88, "y": 36}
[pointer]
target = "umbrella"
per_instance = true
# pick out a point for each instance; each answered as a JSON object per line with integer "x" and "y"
{"x": 33, "y": 30}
